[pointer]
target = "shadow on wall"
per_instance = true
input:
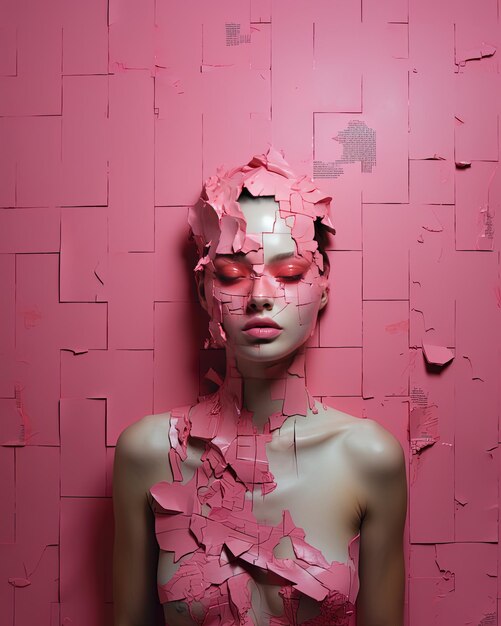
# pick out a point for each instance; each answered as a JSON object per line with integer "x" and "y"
{"x": 202, "y": 359}
{"x": 86, "y": 568}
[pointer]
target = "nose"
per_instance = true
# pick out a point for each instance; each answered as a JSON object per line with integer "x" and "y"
{"x": 261, "y": 297}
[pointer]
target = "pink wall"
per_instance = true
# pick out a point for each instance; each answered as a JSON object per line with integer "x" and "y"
{"x": 111, "y": 117}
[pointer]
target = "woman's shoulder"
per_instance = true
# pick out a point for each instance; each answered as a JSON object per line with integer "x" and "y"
{"x": 145, "y": 441}
{"x": 368, "y": 443}
{"x": 372, "y": 446}
{"x": 142, "y": 453}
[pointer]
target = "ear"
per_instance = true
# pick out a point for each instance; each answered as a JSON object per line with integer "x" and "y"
{"x": 200, "y": 281}
{"x": 324, "y": 298}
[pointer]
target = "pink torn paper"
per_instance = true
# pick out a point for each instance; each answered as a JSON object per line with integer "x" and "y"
{"x": 475, "y": 54}
{"x": 207, "y": 521}
{"x": 220, "y": 543}
{"x": 437, "y": 355}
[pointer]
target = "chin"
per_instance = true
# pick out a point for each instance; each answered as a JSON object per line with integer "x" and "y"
{"x": 268, "y": 352}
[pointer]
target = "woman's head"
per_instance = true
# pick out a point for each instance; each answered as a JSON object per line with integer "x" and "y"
{"x": 258, "y": 230}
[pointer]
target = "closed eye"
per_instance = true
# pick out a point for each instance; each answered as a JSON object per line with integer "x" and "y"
{"x": 229, "y": 271}
{"x": 230, "y": 279}
{"x": 290, "y": 279}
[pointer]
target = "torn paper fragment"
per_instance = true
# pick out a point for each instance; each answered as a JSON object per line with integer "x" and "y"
{"x": 19, "y": 582}
{"x": 213, "y": 376}
{"x": 485, "y": 50}
{"x": 437, "y": 355}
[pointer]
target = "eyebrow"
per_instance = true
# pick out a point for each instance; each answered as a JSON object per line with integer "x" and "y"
{"x": 239, "y": 256}
{"x": 283, "y": 255}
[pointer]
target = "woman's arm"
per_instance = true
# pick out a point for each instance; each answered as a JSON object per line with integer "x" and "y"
{"x": 380, "y": 600}
{"x": 135, "y": 551}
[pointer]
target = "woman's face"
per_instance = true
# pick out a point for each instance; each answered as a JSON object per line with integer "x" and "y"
{"x": 266, "y": 300}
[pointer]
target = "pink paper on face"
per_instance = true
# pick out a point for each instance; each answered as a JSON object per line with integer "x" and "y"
{"x": 219, "y": 228}
{"x": 217, "y": 220}
{"x": 209, "y": 520}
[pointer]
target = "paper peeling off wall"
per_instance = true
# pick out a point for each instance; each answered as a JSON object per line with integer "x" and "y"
{"x": 111, "y": 116}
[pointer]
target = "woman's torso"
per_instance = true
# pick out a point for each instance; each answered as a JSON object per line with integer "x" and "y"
{"x": 316, "y": 485}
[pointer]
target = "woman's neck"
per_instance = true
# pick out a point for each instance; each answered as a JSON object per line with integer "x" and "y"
{"x": 266, "y": 389}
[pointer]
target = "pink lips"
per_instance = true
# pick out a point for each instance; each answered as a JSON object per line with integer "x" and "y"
{"x": 262, "y": 328}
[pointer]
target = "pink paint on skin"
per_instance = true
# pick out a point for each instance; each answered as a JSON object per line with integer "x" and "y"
{"x": 264, "y": 287}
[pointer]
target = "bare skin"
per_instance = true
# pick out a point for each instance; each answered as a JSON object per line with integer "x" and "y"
{"x": 358, "y": 471}
{"x": 337, "y": 475}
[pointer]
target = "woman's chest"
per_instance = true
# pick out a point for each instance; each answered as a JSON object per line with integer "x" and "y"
{"x": 317, "y": 485}
{"x": 256, "y": 574}
{"x": 234, "y": 554}
{"x": 257, "y": 532}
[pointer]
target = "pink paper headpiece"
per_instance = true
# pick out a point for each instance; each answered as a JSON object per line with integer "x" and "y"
{"x": 218, "y": 224}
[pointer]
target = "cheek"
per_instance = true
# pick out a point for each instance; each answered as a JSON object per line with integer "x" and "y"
{"x": 308, "y": 302}
{"x": 241, "y": 288}
{"x": 214, "y": 299}
{"x": 307, "y": 291}
{"x": 227, "y": 302}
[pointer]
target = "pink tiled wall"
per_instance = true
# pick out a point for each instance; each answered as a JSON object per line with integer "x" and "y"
{"x": 111, "y": 116}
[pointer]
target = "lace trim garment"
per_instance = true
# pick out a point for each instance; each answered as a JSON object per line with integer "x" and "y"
{"x": 216, "y": 543}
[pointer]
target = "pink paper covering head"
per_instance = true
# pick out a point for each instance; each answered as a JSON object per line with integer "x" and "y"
{"x": 218, "y": 224}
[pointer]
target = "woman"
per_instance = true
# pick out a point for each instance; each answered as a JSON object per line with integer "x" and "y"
{"x": 272, "y": 509}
